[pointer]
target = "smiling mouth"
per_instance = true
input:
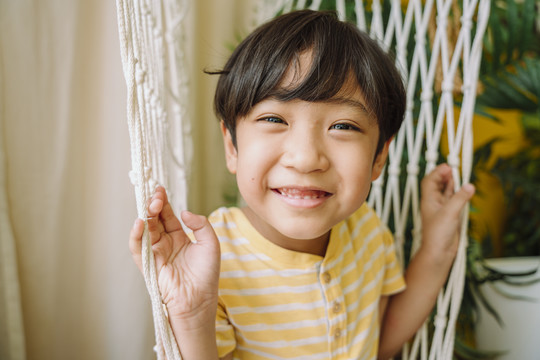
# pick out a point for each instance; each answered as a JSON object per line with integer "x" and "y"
{"x": 303, "y": 194}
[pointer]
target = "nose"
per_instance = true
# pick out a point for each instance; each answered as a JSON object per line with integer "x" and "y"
{"x": 305, "y": 152}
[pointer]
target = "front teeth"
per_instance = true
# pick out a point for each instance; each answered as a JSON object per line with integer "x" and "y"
{"x": 300, "y": 197}
{"x": 305, "y": 197}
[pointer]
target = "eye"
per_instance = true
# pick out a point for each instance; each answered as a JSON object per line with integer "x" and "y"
{"x": 344, "y": 126}
{"x": 272, "y": 119}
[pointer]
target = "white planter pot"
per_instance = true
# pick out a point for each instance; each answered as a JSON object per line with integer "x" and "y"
{"x": 520, "y": 334}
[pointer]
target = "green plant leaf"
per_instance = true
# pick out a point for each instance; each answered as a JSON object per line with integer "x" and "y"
{"x": 528, "y": 17}
{"x": 481, "y": 109}
{"x": 495, "y": 34}
{"x": 514, "y": 27}
{"x": 510, "y": 34}
{"x": 515, "y": 87}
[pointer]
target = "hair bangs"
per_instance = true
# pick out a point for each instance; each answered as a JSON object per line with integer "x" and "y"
{"x": 324, "y": 79}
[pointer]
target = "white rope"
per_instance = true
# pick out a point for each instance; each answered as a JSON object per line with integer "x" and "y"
{"x": 151, "y": 38}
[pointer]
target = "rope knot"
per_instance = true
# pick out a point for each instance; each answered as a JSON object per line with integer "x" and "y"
{"x": 413, "y": 169}
{"x": 134, "y": 175}
{"x": 431, "y": 156}
{"x": 441, "y": 22}
{"x": 447, "y": 86}
{"x": 394, "y": 170}
{"x": 466, "y": 22}
{"x": 426, "y": 95}
{"x": 453, "y": 161}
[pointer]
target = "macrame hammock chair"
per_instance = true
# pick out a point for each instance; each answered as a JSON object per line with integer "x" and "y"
{"x": 438, "y": 48}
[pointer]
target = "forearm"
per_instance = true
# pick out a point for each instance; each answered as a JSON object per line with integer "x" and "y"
{"x": 407, "y": 311}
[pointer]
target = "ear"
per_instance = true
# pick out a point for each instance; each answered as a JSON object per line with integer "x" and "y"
{"x": 380, "y": 160}
{"x": 231, "y": 155}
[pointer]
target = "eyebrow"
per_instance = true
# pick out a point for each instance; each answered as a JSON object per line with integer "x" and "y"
{"x": 358, "y": 105}
{"x": 350, "y": 102}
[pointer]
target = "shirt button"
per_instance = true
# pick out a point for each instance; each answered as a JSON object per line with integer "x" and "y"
{"x": 326, "y": 277}
{"x": 337, "y": 307}
{"x": 337, "y": 334}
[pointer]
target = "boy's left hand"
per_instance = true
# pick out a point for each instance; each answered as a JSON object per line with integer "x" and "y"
{"x": 441, "y": 211}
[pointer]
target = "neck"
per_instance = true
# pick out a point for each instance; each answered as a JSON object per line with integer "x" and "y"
{"x": 316, "y": 246}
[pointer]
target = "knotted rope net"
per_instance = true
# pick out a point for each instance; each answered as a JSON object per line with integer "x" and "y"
{"x": 438, "y": 48}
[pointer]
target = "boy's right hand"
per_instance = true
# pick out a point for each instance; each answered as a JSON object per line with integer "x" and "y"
{"x": 188, "y": 273}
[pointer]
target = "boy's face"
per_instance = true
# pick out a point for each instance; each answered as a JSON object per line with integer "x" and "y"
{"x": 302, "y": 167}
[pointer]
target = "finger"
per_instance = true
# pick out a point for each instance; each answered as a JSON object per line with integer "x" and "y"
{"x": 448, "y": 190}
{"x": 157, "y": 201}
{"x": 433, "y": 180}
{"x": 444, "y": 169}
{"x": 203, "y": 231}
{"x": 135, "y": 241}
{"x": 155, "y": 207}
{"x": 438, "y": 181}
{"x": 459, "y": 200}
{"x": 155, "y": 228}
{"x": 160, "y": 202}
{"x": 169, "y": 219}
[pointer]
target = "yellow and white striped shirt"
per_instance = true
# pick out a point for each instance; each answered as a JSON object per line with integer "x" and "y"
{"x": 280, "y": 304}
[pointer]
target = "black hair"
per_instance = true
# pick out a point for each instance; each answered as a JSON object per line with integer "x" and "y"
{"x": 255, "y": 70}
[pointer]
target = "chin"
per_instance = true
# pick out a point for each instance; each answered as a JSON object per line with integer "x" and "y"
{"x": 296, "y": 234}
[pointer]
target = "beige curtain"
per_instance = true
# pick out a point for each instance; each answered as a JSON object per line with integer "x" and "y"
{"x": 11, "y": 325}
{"x": 69, "y": 198}
{"x": 68, "y": 287}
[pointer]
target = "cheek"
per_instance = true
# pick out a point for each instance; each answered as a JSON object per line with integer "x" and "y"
{"x": 255, "y": 158}
{"x": 248, "y": 175}
{"x": 358, "y": 177}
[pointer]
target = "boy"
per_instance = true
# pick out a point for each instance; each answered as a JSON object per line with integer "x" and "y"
{"x": 308, "y": 107}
